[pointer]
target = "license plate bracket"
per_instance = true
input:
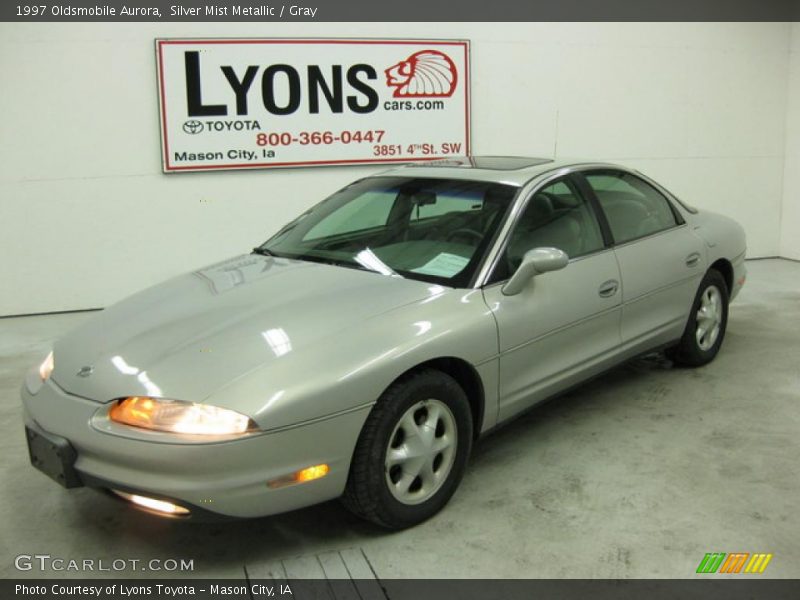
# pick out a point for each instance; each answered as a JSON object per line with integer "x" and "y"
{"x": 54, "y": 456}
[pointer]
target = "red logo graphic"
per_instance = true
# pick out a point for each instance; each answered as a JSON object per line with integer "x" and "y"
{"x": 424, "y": 74}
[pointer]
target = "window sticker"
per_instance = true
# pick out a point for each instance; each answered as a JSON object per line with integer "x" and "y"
{"x": 443, "y": 265}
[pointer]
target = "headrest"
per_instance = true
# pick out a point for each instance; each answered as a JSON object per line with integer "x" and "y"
{"x": 541, "y": 207}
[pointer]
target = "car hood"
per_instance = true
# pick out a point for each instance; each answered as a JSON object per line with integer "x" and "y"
{"x": 191, "y": 335}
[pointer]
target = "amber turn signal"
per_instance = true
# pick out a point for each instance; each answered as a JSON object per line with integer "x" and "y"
{"x": 301, "y": 476}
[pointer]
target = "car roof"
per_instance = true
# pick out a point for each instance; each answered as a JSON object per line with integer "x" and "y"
{"x": 511, "y": 170}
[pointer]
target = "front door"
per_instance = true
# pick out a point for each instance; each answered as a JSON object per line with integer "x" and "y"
{"x": 564, "y": 326}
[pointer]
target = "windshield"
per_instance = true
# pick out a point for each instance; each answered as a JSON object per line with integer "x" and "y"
{"x": 429, "y": 229}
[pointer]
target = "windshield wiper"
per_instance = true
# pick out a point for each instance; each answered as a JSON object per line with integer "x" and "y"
{"x": 334, "y": 262}
{"x": 326, "y": 260}
{"x": 367, "y": 259}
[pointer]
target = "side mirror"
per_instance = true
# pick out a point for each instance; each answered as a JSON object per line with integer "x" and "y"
{"x": 535, "y": 262}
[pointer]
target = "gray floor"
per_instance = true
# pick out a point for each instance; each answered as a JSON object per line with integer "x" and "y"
{"x": 637, "y": 474}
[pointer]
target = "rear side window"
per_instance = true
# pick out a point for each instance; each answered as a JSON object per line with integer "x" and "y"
{"x": 633, "y": 207}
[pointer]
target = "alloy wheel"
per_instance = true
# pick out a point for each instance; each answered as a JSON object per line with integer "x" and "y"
{"x": 709, "y": 318}
{"x": 421, "y": 451}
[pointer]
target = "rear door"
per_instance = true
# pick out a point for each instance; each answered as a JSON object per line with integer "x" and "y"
{"x": 661, "y": 260}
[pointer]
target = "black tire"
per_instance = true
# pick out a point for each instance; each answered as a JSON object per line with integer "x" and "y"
{"x": 367, "y": 493}
{"x": 690, "y": 352}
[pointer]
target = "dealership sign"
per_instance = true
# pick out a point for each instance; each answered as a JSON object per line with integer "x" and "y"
{"x": 256, "y": 103}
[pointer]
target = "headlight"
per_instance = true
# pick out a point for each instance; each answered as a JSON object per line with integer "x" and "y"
{"x": 176, "y": 416}
{"x": 46, "y": 368}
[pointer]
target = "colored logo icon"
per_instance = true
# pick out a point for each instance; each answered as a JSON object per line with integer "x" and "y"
{"x": 735, "y": 562}
{"x": 424, "y": 74}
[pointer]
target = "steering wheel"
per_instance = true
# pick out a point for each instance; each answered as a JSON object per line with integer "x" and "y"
{"x": 467, "y": 232}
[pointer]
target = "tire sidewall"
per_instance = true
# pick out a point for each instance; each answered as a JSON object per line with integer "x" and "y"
{"x": 690, "y": 349}
{"x": 429, "y": 386}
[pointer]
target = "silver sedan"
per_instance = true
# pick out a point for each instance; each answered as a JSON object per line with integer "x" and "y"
{"x": 360, "y": 351}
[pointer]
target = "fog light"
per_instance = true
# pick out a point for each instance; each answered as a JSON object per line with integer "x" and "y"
{"x": 301, "y": 476}
{"x": 159, "y": 506}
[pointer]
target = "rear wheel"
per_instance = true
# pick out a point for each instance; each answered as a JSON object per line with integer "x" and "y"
{"x": 708, "y": 320}
{"x": 412, "y": 451}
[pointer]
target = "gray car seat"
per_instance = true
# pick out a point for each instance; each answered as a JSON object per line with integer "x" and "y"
{"x": 544, "y": 225}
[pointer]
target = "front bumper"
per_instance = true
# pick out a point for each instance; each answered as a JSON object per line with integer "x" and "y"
{"x": 227, "y": 478}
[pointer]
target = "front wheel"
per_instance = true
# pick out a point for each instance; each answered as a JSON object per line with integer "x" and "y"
{"x": 412, "y": 451}
{"x": 707, "y": 322}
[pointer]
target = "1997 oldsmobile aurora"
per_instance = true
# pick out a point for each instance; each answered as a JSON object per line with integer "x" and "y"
{"x": 361, "y": 350}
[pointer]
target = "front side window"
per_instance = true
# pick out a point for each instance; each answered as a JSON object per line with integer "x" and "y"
{"x": 633, "y": 207}
{"x": 429, "y": 229}
{"x": 556, "y": 216}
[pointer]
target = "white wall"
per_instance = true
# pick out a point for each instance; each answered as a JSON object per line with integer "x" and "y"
{"x": 790, "y": 217}
{"x": 86, "y": 216}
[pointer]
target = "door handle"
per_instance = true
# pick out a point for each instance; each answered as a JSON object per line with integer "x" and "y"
{"x": 608, "y": 288}
{"x": 693, "y": 259}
